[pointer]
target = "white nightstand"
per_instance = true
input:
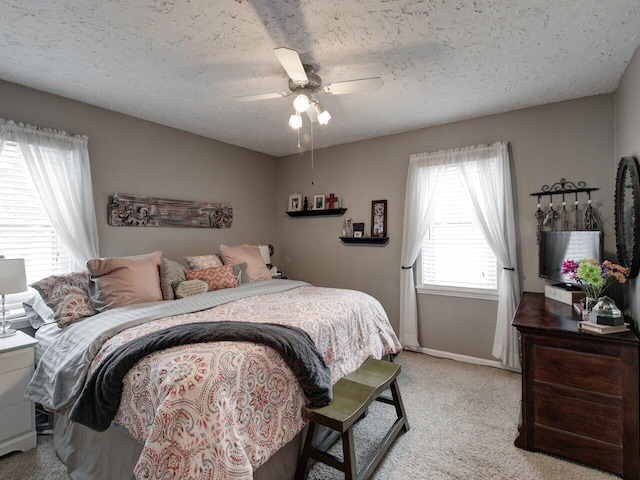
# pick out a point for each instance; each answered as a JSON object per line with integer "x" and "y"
{"x": 17, "y": 413}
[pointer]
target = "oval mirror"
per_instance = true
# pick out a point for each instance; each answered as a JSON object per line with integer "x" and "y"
{"x": 627, "y": 215}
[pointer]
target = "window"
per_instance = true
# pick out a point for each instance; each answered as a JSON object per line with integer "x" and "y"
{"x": 456, "y": 259}
{"x": 25, "y": 229}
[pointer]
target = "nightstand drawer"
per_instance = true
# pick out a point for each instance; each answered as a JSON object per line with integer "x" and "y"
{"x": 13, "y": 385}
{"x": 16, "y": 360}
{"x": 16, "y": 419}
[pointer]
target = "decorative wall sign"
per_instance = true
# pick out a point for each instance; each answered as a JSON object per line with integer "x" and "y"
{"x": 140, "y": 211}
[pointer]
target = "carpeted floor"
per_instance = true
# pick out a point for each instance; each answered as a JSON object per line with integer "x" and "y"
{"x": 463, "y": 422}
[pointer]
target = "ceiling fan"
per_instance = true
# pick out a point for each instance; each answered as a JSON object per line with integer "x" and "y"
{"x": 304, "y": 83}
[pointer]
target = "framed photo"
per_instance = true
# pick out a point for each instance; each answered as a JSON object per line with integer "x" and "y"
{"x": 295, "y": 202}
{"x": 358, "y": 229}
{"x": 379, "y": 218}
{"x": 318, "y": 202}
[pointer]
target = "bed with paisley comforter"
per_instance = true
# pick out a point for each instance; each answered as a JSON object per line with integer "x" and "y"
{"x": 214, "y": 410}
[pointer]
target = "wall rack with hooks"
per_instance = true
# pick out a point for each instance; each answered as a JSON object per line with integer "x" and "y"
{"x": 562, "y": 219}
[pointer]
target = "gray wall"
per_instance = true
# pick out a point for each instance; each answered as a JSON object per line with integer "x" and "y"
{"x": 627, "y": 143}
{"x": 571, "y": 140}
{"x": 134, "y": 156}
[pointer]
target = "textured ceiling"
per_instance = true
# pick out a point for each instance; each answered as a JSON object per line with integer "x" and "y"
{"x": 181, "y": 62}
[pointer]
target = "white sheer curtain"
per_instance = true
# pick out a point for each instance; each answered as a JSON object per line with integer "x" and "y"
{"x": 422, "y": 187}
{"x": 485, "y": 173}
{"x": 3, "y": 133}
{"x": 59, "y": 167}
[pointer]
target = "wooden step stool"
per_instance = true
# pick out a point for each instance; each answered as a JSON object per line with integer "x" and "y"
{"x": 352, "y": 395}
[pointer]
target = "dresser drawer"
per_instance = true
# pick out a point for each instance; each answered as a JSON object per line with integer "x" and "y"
{"x": 16, "y": 360}
{"x": 13, "y": 385}
{"x": 571, "y": 368}
{"x": 16, "y": 419}
{"x": 585, "y": 418}
{"x": 599, "y": 454}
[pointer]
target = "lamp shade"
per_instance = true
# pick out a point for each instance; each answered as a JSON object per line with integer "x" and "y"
{"x": 301, "y": 103}
{"x": 264, "y": 251}
{"x": 324, "y": 118}
{"x": 295, "y": 121}
{"x": 13, "y": 278}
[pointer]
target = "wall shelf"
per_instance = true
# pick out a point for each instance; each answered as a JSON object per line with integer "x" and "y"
{"x": 366, "y": 240}
{"x": 315, "y": 213}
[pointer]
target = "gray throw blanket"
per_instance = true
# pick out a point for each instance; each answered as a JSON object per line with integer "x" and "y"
{"x": 100, "y": 398}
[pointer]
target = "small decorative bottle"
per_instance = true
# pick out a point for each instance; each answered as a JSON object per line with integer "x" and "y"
{"x": 348, "y": 227}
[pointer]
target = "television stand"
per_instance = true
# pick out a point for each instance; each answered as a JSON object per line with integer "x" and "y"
{"x": 579, "y": 390}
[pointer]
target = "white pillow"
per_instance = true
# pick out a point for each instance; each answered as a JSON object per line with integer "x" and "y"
{"x": 38, "y": 313}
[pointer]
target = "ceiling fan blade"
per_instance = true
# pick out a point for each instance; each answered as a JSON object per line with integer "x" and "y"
{"x": 261, "y": 96}
{"x": 292, "y": 64}
{"x": 363, "y": 85}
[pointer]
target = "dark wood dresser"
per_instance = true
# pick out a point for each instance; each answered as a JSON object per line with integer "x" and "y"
{"x": 579, "y": 390}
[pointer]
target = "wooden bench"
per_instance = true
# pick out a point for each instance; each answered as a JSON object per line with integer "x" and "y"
{"x": 352, "y": 395}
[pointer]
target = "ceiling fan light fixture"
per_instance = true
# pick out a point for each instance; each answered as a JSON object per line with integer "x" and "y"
{"x": 322, "y": 115}
{"x": 295, "y": 121}
{"x": 301, "y": 103}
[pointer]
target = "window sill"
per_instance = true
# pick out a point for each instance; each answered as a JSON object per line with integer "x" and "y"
{"x": 457, "y": 292}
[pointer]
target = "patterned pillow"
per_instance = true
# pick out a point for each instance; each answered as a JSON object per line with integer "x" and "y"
{"x": 217, "y": 277}
{"x": 170, "y": 272}
{"x": 186, "y": 288}
{"x": 200, "y": 262}
{"x": 67, "y": 296}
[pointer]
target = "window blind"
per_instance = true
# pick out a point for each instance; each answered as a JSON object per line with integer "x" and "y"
{"x": 25, "y": 230}
{"x": 454, "y": 252}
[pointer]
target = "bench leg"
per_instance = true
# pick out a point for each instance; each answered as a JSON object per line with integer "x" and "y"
{"x": 303, "y": 462}
{"x": 349, "y": 455}
{"x": 397, "y": 402}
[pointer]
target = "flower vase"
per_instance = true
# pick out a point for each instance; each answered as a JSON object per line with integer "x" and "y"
{"x": 589, "y": 303}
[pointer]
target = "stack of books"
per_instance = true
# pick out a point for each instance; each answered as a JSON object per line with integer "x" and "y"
{"x": 592, "y": 327}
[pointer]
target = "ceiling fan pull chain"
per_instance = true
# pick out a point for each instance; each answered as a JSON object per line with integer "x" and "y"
{"x": 312, "y": 182}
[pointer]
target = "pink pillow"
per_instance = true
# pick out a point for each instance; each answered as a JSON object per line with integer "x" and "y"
{"x": 249, "y": 254}
{"x": 217, "y": 277}
{"x": 119, "y": 281}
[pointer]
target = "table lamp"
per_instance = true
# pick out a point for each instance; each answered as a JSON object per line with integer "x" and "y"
{"x": 13, "y": 279}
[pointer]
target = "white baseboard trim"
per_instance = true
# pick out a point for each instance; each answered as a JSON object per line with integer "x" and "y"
{"x": 461, "y": 358}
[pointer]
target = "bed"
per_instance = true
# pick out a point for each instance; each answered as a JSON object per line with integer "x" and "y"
{"x": 205, "y": 410}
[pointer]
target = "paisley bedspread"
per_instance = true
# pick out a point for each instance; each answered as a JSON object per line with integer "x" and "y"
{"x": 220, "y": 410}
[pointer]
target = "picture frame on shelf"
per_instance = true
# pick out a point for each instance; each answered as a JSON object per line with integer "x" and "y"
{"x": 318, "y": 202}
{"x": 295, "y": 202}
{"x": 379, "y": 218}
{"x": 358, "y": 229}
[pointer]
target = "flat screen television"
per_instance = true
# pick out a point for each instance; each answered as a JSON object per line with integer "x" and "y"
{"x": 556, "y": 247}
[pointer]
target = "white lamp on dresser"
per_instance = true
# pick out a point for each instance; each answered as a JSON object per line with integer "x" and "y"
{"x": 13, "y": 279}
{"x": 17, "y": 414}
